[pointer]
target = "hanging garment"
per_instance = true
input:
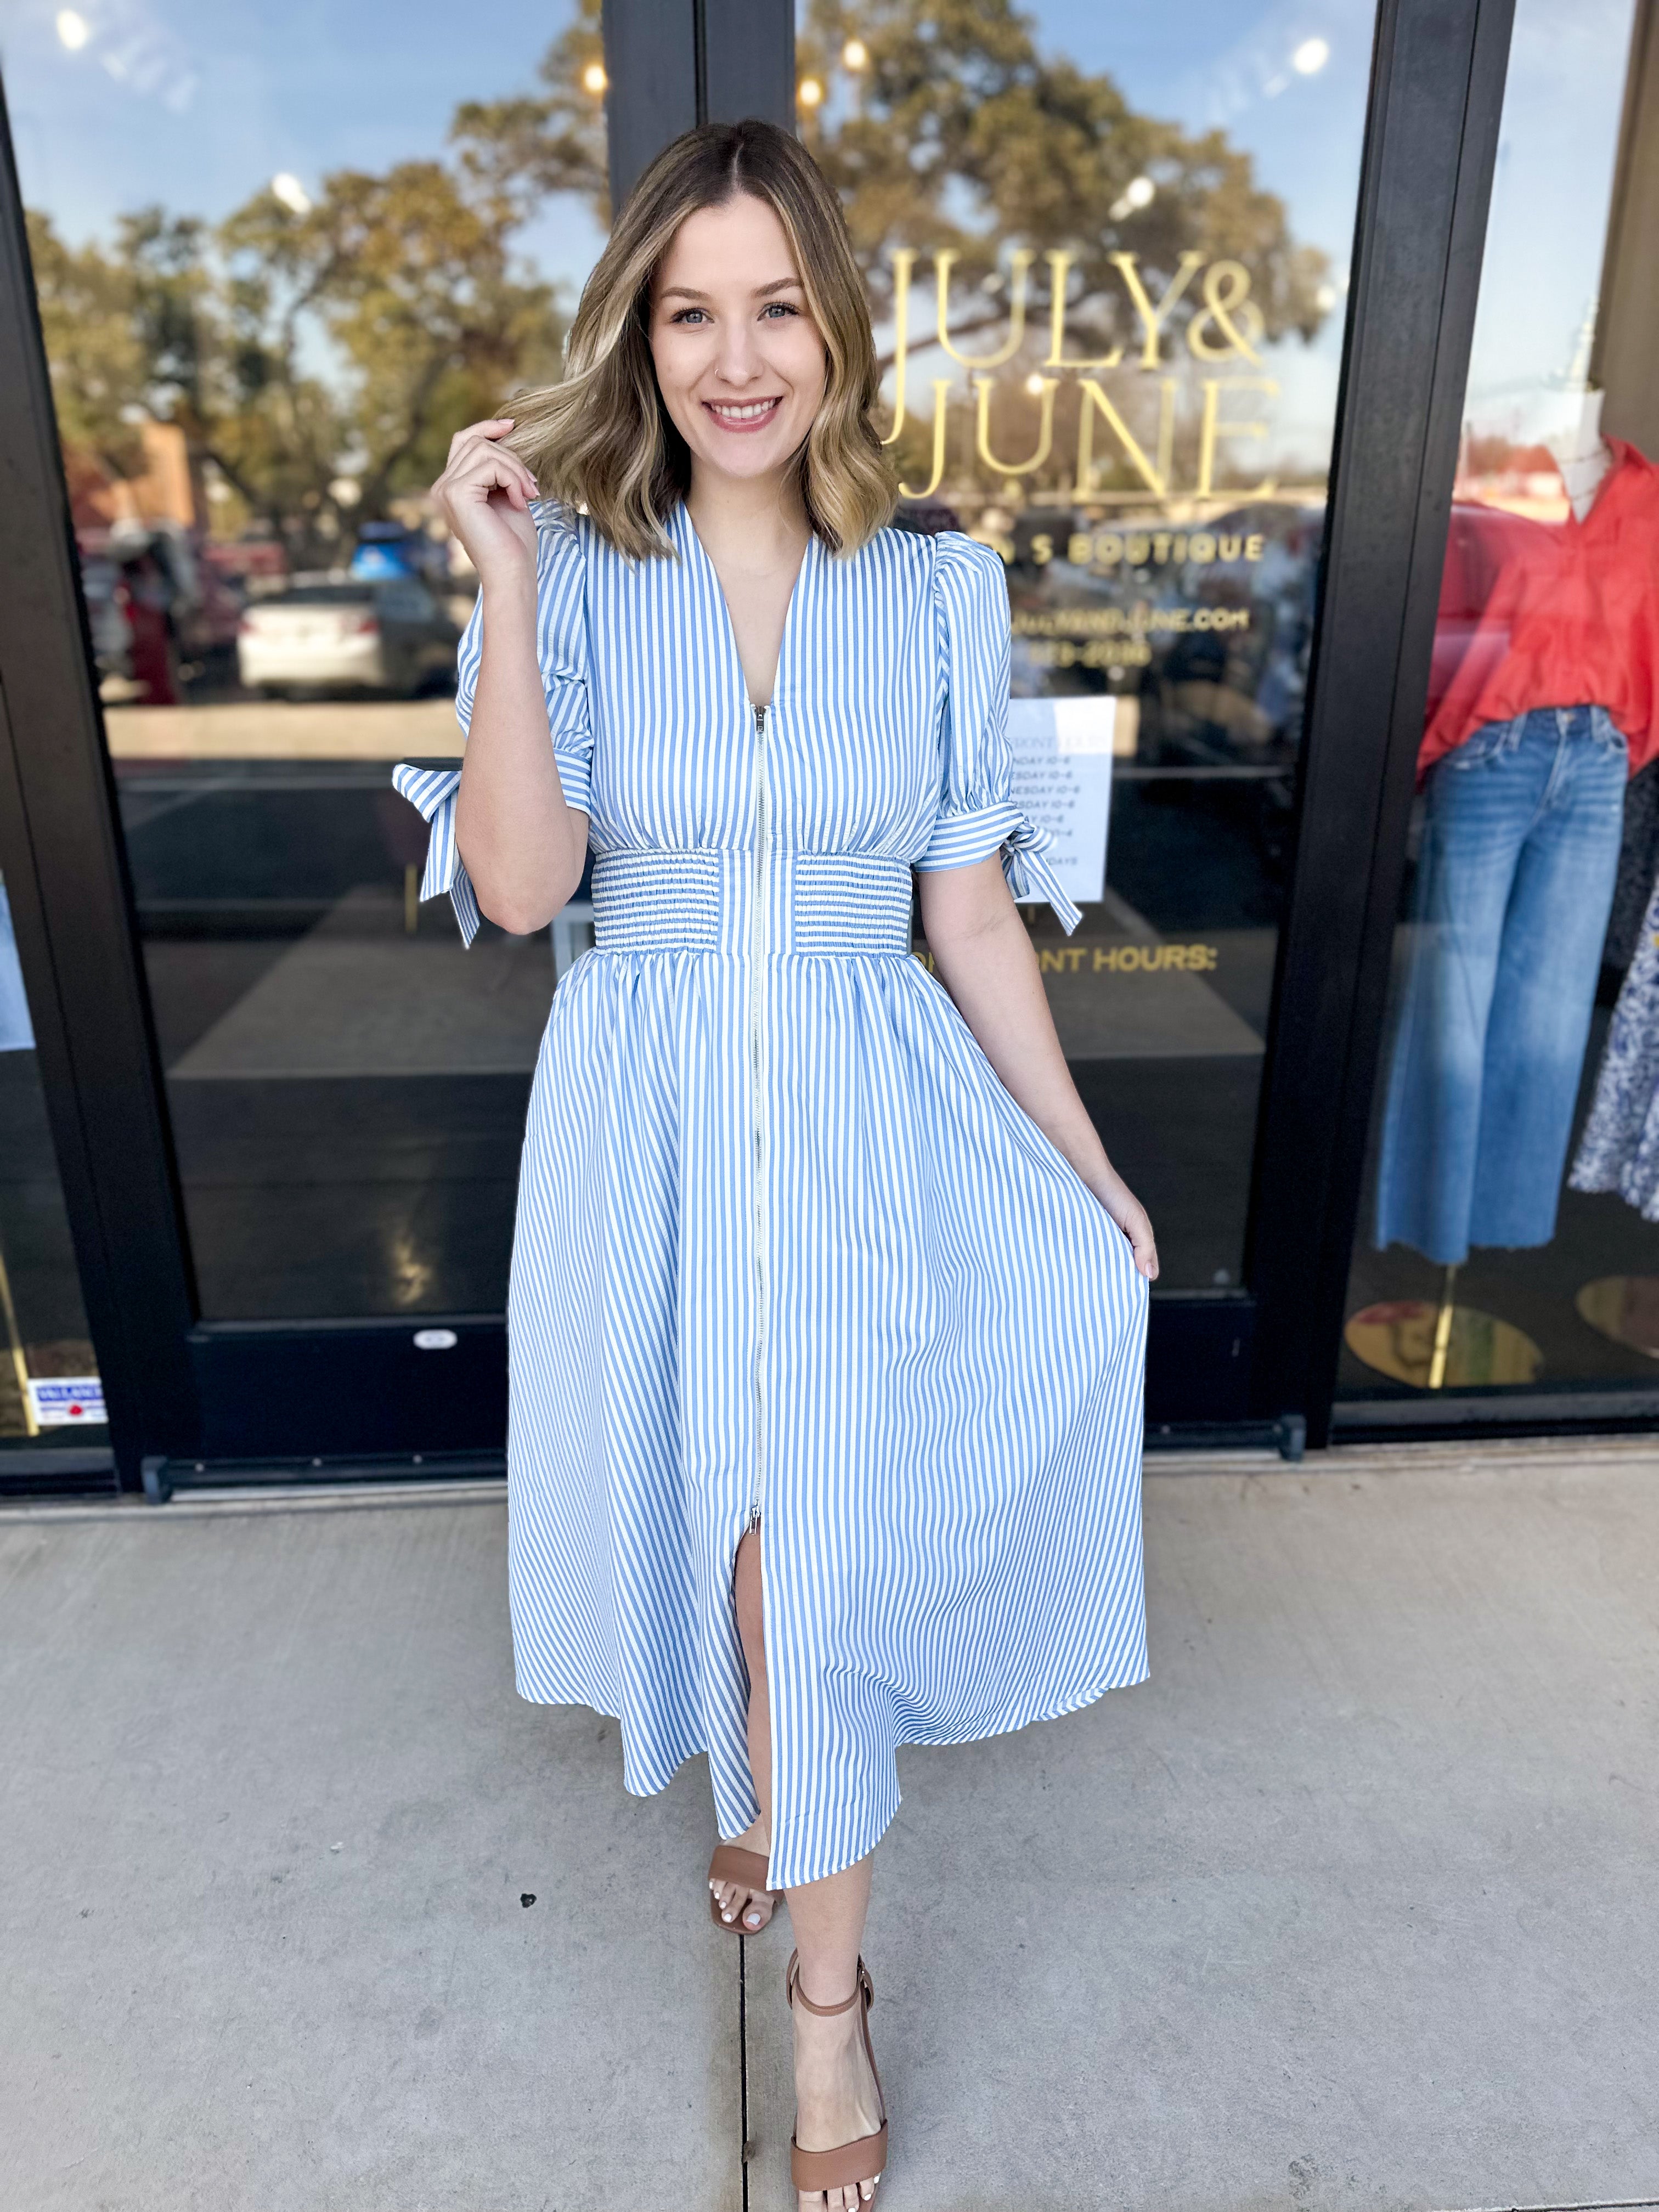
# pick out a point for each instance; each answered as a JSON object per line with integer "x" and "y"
{"x": 1638, "y": 868}
{"x": 785, "y": 1246}
{"x": 1620, "y": 1148}
{"x": 1514, "y": 884}
{"x": 1572, "y": 620}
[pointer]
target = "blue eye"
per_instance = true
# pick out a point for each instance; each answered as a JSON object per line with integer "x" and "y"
{"x": 684, "y": 314}
{"x": 780, "y": 308}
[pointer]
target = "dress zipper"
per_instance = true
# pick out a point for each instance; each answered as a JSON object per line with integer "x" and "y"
{"x": 759, "y": 946}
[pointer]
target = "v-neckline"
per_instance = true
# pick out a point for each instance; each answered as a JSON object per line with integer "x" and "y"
{"x": 754, "y": 706}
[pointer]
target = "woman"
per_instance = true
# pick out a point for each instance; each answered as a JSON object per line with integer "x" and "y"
{"x": 826, "y": 1308}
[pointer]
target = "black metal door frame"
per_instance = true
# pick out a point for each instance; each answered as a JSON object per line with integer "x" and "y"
{"x": 1425, "y": 185}
{"x": 184, "y": 1391}
{"x": 65, "y": 870}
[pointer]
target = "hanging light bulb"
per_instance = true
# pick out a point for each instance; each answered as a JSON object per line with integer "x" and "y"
{"x": 594, "y": 79}
{"x": 809, "y": 92}
{"x": 855, "y": 55}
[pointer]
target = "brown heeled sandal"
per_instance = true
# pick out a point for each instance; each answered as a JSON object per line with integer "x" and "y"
{"x": 865, "y": 2159}
{"x": 732, "y": 1862}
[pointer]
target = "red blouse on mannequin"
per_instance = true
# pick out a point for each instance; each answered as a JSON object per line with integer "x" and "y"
{"x": 1573, "y": 621}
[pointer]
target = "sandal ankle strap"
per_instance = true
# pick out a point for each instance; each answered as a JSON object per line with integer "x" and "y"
{"x": 792, "y": 1989}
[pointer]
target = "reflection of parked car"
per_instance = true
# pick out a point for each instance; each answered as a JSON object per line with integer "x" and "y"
{"x": 392, "y": 548}
{"x": 335, "y": 633}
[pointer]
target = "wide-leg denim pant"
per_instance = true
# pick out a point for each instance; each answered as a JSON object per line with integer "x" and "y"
{"x": 1514, "y": 887}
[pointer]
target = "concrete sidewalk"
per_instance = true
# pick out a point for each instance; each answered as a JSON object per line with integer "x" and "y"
{"x": 1355, "y": 1904}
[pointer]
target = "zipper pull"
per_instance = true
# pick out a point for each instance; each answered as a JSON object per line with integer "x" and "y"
{"x": 760, "y": 721}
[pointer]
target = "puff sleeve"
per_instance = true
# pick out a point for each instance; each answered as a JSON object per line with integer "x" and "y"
{"x": 561, "y": 649}
{"x": 978, "y": 816}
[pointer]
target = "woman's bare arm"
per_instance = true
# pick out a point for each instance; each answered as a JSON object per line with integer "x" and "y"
{"x": 985, "y": 961}
{"x": 523, "y": 847}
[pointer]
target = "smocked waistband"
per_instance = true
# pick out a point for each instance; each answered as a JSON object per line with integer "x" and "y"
{"x": 699, "y": 899}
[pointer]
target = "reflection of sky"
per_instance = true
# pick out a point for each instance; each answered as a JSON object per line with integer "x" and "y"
{"x": 1549, "y": 212}
{"x": 195, "y": 103}
{"x": 198, "y": 103}
{"x": 1559, "y": 138}
{"x": 1226, "y": 65}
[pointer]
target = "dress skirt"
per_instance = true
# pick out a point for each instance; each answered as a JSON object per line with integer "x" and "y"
{"x": 787, "y": 1251}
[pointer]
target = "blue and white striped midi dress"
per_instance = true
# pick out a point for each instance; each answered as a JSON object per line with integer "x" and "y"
{"x": 786, "y": 1247}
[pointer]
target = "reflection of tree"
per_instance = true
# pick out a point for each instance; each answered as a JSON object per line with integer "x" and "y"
{"x": 518, "y": 151}
{"x": 95, "y": 347}
{"x": 292, "y": 344}
{"x": 955, "y": 132}
{"x": 296, "y": 342}
{"x": 413, "y": 282}
{"x": 958, "y": 133}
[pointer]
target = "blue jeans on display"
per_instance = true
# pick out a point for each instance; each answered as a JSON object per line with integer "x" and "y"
{"x": 1514, "y": 888}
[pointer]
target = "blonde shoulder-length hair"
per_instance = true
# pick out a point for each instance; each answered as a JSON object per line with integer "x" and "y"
{"x": 602, "y": 439}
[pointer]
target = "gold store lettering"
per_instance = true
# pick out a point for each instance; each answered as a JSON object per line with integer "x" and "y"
{"x": 1157, "y": 479}
{"x": 1153, "y": 317}
{"x": 1018, "y": 264}
{"x": 1213, "y": 427}
{"x": 1143, "y": 549}
{"x": 1127, "y": 959}
{"x": 1149, "y": 959}
{"x": 985, "y": 385}
{"x": 941, "y": 395}
{"x": 1117, "y": 959}
{"x": 1228, "y": 324}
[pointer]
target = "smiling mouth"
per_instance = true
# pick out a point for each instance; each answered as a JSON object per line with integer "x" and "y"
{"x": 744, "y": 415}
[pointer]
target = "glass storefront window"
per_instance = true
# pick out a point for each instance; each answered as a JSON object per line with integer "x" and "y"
{"x": 1109, "y": 253}
{"x": 49, "y": 1392}
{"x": 1509, "y": 1236}
{"x": 282, "y": 253}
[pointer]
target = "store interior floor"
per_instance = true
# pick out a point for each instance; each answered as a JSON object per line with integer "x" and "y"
{"x": 348, "y": 1094}
{"x": 1350, "y": 1906}
{"x": 1597, "y": 1236}
{"x": 348, "y": 1100}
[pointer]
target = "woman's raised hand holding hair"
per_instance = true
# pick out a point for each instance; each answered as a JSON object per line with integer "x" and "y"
{"x": 484, "y": 494}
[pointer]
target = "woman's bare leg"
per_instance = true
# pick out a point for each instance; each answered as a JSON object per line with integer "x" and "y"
{"x": 836, "y": 2093}
{"x": 753, "y": 1908}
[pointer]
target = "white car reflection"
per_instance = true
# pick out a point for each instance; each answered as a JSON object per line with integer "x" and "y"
{"x": 338, "y": 633}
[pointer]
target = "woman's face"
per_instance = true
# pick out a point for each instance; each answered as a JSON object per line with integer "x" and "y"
{"x": 740, "y": 361}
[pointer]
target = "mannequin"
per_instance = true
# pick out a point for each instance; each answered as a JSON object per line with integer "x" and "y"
{"x": 1583, "y": 455}
{"x": 1524, "y": 766}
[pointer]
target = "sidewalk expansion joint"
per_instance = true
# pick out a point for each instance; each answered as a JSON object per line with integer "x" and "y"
{"x": 745, "y": 2141}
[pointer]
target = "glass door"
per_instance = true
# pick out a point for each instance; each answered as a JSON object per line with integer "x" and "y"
{"x": 1109, "y": 252}
{"x": 280, "y": 254}
{"x": 1508, "y": 1247}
